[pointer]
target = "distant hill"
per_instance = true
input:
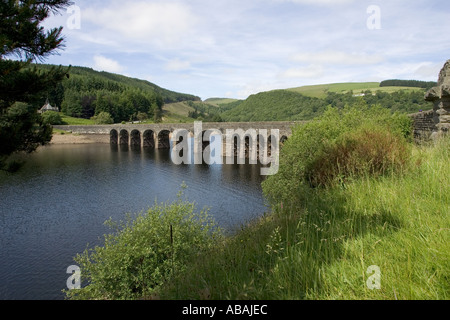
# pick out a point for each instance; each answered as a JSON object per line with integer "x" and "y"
{"x": 275, "y": 105}
{"x": 88, "y": 92}
{"x": 321, "y": 90}
{"x": 305, "y": 103}
{"x": 220, "y": 101}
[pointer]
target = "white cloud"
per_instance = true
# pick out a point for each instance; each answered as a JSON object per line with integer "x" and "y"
{"x": 310, "y": 72}
{"x": 177, "y": 65}
{"x": 96, "y": 40}
{"x": 319, "y": 2}
{"x": 252, "y": 87}
{"x": 102, "y": 63}
{"x": 158, "y": 22}
{"x": 338, "y": 57}
{"x": 429, "y": 71}
{"x": 408, "y": 71}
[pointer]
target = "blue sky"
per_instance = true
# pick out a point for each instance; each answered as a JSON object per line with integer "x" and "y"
{"x": 233, "y": 48}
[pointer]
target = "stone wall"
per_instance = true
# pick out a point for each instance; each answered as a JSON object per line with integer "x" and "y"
{"x": 424, "y": 124}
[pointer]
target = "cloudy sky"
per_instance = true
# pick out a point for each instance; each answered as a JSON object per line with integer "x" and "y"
{"x": 234, "y": 48}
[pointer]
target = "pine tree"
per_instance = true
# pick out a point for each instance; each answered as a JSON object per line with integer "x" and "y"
{"x": 23, "y": 86}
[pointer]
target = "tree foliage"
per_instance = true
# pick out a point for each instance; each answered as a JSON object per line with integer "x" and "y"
{"x": 23, "y": 87}
{"x": 103, "y": 118}
{"x": 52, "y": 117}
{"x": 408, "y": 83}
{"x": 284, "y": 105}
{"x": 275, "y": 105}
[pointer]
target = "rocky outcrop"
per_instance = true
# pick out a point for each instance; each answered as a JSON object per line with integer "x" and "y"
{"x": 440, "y": 96}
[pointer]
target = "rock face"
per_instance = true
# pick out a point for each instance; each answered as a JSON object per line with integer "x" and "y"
{"x": 440, "y": 96}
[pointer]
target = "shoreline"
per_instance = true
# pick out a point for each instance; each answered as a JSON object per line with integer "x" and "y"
{"x": 70, "y": 138}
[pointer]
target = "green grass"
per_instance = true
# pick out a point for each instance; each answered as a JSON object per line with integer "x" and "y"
{"x": 322, "y": 248}
{"x": 320, "y": 91}
{"x": 172, "y": 113}
{"x": 178, "y": 108}
{"x": 219, "y": 101}
{"x": 76, "y": 121}
{"x": 176, "y": 112}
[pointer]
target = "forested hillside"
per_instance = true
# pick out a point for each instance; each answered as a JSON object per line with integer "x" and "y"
{"x": 87, "y": 93}
{"x": 275, "y": 105}
{"x": 280, "y": 105}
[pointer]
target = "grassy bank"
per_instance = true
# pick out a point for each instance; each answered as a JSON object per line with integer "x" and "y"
{"x": 323, "y": 248}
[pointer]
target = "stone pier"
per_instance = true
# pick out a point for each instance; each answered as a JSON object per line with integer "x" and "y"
{"x": 440, "y": 96}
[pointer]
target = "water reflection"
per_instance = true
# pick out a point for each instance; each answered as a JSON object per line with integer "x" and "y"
{"x": 58, "y": 202}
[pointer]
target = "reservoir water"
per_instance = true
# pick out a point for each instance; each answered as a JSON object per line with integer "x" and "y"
{"x": 58, "y": 203}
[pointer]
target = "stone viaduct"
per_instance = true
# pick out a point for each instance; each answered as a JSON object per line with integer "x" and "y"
{"x": 158, "y": 135}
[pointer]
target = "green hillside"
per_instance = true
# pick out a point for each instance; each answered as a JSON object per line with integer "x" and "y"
{"x": 220, "y": 101}
{"x": 87, "y": 93}
{"x": 320, "y": 91}
{"x": 305, "y": 103}
{"x": 189, "y": 111}
{"x": 275, "y": 105}
{"x": 167, "y": 95}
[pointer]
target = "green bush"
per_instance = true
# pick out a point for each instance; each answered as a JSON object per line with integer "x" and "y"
{"x": 142, "y": 116}
{"x": 52, "y": 117}
{"x": 354, "y": 135}
{"x": 145, "y": 252}
{"x": 103, "y": 118}
{"x": 365, "y": 151}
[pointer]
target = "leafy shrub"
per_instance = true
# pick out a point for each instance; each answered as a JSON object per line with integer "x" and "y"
{"x": 52, "y": 117}
{"x": 365, "y": 151}
{"x": 142, "y": 116}
{"x": 103, "y": 118}
{"x": 345, "y": 137}
{"x": 144, "y": 252}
